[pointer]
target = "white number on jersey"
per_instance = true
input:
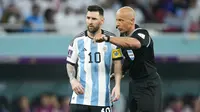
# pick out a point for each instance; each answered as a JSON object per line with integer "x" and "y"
{"x": 105, "y": 109}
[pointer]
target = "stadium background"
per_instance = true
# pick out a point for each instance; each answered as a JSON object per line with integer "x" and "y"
{"x": 33, "y": 50}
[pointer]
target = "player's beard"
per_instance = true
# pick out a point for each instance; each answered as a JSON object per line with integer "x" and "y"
{"x": 93, "y": 29}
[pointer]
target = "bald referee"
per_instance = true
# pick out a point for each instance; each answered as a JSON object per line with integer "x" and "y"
{"x": 137, "y": 46}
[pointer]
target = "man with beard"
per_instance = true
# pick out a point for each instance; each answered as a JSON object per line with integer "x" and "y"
{"x": 137, "y": 46}
{"x": 91, "y": 85}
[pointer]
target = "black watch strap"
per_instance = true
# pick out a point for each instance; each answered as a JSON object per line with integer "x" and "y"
{"x": 108, "y": 38}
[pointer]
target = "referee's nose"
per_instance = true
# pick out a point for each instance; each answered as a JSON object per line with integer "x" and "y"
{"x": 117, "y": 24}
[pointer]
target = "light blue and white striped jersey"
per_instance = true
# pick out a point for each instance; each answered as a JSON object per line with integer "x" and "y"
{"x": 94, "y": 67}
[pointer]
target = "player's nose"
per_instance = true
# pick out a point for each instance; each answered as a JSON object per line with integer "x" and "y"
{"x": 90, "y": 21}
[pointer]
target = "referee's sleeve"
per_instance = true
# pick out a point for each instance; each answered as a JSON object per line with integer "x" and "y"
{"x": 117, "y": 54}
{"x": 143, "y": 36}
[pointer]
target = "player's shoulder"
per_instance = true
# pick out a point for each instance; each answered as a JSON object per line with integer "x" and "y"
{"x": 108, "y": 33}
{"x": 77, "y": 37}
{"x": 80, "y": 35}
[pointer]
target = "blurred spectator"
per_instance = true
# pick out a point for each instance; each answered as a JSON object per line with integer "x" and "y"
{"x": 175, "y": 12}
{"x": 192, "y": 20}
{"x": 64, "y": 102}
{"x": 68, "y": 20}
{"x": 197, "y": 105}
{"x": 45, "y": 105}
{"x": 35, "y": 22}
{"x": 21, "y": 104}
{"x": 189, "y": 102}
{"x": 145, "y": 7}
{"x": 11, "y": 19}
{"x": 159, "y": 11}
{"x": 4, "y": 104}
{"x": 49, "y": 20}
{"x": 54, "y": 103}
{"x": 173, "y": 104}
{"x": 24, "y": 6}
{"x": 1, "y": 8}
{"x": 139, "y": 18}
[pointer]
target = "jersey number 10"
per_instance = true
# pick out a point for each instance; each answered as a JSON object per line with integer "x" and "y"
{"x": 105, "y": 109}
{"x": 97, "y": 57}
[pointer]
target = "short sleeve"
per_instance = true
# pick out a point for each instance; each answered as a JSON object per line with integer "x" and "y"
{"x": 143, "y": 36}
{"x": 72, "y": 53}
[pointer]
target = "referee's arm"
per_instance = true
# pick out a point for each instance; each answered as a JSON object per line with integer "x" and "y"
{"x": 137, "y": 40}
{"x": 126, "y": 42}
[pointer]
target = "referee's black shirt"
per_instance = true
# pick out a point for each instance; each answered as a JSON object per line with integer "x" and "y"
{"x": 140, "y": 62}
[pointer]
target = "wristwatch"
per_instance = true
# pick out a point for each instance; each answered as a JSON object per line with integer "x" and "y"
{"x": 106, "y": 38}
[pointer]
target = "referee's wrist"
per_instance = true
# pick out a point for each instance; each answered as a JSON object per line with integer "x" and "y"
{"x": 107, "y": 38}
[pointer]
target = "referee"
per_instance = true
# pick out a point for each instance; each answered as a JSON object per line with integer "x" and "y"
{"x": 145, "y": 93}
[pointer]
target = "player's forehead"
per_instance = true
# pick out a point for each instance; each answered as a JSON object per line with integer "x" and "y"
{"x": 93, "y": 14}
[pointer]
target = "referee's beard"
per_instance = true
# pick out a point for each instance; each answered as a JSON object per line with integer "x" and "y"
{"x": 93, "y": 29}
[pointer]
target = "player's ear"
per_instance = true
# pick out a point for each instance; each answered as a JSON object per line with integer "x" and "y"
{"x": 102, "y": 20}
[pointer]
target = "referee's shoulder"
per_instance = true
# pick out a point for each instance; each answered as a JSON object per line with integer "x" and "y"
{"x": 108, "y": 33}
{"x": 140, "y": 30}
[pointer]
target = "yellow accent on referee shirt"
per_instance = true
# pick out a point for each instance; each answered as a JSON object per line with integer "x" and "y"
{"x": 116, "y": 53}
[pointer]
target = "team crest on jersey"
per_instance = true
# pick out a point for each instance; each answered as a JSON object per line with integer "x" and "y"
{"x": 105, "y": 48}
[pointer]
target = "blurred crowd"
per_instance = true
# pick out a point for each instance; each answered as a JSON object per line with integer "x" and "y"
{"x": 50, "y": 102}
{"x": 185, "y": 103}
{"x": 45, "y": 102}
{"x": 68, "y": 16}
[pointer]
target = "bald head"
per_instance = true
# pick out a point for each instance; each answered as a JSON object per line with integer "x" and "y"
{"x": 127, "y": 12}
{"x": 125, "y": 20}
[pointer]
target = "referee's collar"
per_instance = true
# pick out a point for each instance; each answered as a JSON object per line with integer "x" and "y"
{"x": 136, "y": 27}
{"x": 102, "y": 32}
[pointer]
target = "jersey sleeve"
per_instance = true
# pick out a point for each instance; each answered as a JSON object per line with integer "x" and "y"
{"x": 72, "y": 53}
{"x": 116, "y": 53}
{"x": 143, "y": 36}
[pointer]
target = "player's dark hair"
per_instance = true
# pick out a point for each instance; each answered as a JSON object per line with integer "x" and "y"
{"x": 95, "y": 8}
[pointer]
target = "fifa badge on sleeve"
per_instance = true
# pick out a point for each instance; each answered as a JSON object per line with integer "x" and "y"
{"x": 70, "y": 53}
{"x": 131, "y": 54}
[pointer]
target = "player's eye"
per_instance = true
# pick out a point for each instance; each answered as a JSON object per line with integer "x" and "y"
{"x": 94, "y": 18}
{"x": 88, "y": 17}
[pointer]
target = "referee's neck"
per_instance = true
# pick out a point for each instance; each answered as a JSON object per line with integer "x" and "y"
{"x": 130, "y": 32}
